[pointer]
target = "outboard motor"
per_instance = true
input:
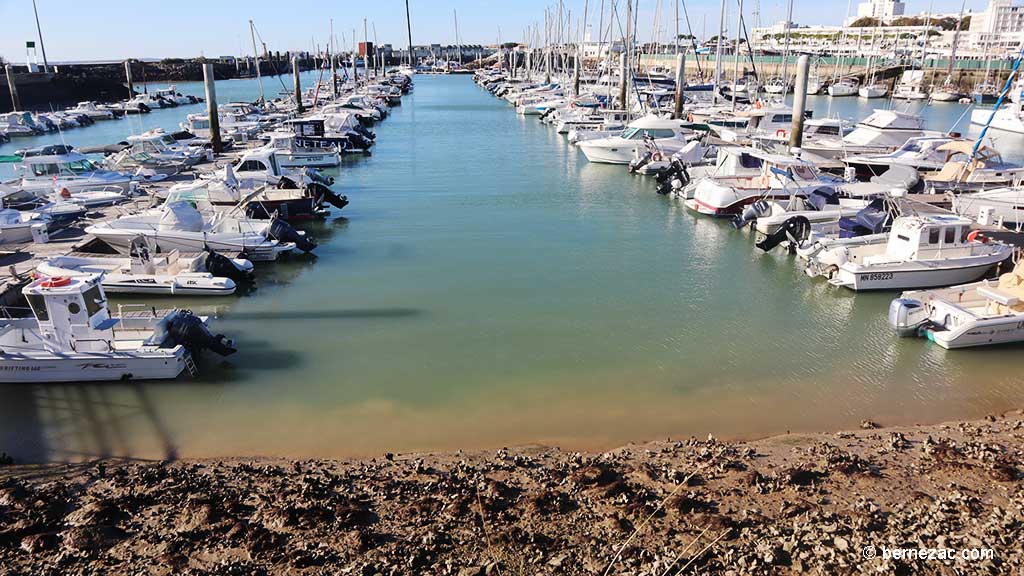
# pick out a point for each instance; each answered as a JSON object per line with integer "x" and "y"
{"x": 188, "y": 330}
{"x": 317, "y": 177}
{"x": 284, "y": 232}
{"x": 237, "y": 269}
{"x": 750, "y": 213}
{"x": 795, "y": 229}
{"x": 322, "y": 193}
{"x": 639, "y": 162}
{"x": 907, "y": 316}
{"x": 362, "y": 131}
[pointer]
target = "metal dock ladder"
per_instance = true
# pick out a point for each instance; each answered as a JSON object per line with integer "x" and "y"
{"x": 190, "y": 365}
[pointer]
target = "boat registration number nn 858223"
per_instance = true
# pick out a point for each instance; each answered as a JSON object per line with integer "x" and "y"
{"x": 877, "y": 276}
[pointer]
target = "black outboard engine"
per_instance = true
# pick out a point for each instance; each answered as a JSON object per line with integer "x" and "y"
{"x": 221, "y": 265}
{"x": 322, "y": 193}
{"x": 284, "y": 232}
{"x": 362, "y": 131}
{"x": 750, "y": 213}
{"x": 188, "y": 330}
{"x": 795, "y": 229}
{"x": 638, "y": 163}
{"x": 318, "y": 177}
{"x": 676, "y": 172}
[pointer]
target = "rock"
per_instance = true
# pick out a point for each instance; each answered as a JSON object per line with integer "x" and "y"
{"x": 841, "y": 544}
{"x": 868, "y": 425}
{"x": 472, "y": 571}
{"x": 38, "y": 543}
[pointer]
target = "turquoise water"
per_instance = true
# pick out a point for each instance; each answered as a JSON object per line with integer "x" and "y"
{"x": 489, "y": 287}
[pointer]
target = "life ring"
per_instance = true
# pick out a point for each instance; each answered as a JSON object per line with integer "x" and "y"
{"x": 65, "y": 193}
{"x": 780, "y": 132}
{"x": 974, "y": 235}
{"x": 56, "y": 282}
{"x": 758, "y": 104}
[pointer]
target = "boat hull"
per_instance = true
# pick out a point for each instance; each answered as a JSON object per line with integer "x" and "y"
{"x": 158, "y": 364}
{"x": 917, "y": 276}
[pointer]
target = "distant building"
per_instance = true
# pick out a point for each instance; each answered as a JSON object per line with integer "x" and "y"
{"x": 884, "y": 10}
{"x": 998, "y": 29}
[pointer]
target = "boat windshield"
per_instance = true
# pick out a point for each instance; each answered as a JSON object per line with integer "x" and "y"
{"x": 638, "y": 133}
{"x": 79, "y": 166}
{"x": 38, "y": 305}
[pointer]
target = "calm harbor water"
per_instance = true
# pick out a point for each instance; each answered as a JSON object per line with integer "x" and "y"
{"x": 489, "y": 287}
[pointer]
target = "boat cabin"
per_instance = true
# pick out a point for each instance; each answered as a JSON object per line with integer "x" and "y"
{"x": 69, "y": 163}
{"x": 657, "y": 128}
{"x": 929, "y": 237}
{"x": 987, "y": 165}
{"x": 72, "y": 313}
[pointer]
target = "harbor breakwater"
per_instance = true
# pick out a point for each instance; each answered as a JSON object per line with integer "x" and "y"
{"x": 107, "y": 81}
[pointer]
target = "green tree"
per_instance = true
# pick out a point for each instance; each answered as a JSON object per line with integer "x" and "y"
{"x": 907, "y": 21}
{"x": 865, "y": 22}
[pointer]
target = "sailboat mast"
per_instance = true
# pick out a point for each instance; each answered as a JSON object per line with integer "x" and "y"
{"x": 408, "y": 29}
{"x": 718, "y": 55}
{"x": 255, "y": 51}
{"x": 956, "y": 40}
{"x": 785, "y": 51}
{"x": 736, "y": 54}
{"x": 458, "y": 44}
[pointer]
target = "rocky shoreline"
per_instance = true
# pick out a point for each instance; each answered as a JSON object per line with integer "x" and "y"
{"x": 846, "y": 503}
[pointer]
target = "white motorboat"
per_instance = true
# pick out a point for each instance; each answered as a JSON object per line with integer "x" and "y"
{"x": 16, "y": 226}
{"x": 978, "y": 314}
{"x": 59, "y": 168}
{"x": 171, "y": 94}
{"x": 813, "y": 85}
{"x": 819, "y": 206}
{"x": 843, "y": 87}
{"x": 179, "y": 226}
{"x": 755, "y": 122}
{"x": 910, "y": 86}
{"x": 874, "y": 90}
{"x": 18, "y": 125}
{"x": 142, "y": 272}
{"x": 586, "y": 119}
{"x": 1003, "y": 205}
{"x": 73, "y": 338}
{"x": 668, "y": 135}
{"x": 92, "y": 111}
{"x": 882, "y": 131}
{"x": 1008, "y": 118}
{"x": 143, "y": 164}
{"x": 290, "y": 154}
{"x": 922, "y": 153}
{"x": 778, "y": 177}
{"x": 921, "y": 252}
{"x": 148, "y": 101}
{"x": 159, "y": 144}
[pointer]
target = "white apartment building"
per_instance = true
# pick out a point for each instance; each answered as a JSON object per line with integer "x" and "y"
{"x": 999, "y": 29}
{"x": 884, "y": 10}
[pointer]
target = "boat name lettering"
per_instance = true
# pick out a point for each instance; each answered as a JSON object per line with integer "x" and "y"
{"x": 877, "y": 276}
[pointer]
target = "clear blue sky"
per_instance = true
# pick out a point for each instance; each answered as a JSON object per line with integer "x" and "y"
{"x": 76, "y": 30}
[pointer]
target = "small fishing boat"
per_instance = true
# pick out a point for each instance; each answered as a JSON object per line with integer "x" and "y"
{"x": 143, "y": 164}
{"x": 143, "y": 272}
{"x": 178, "y": 225}
{"x": 72, "y": 337}
{"x": 163, "y": 146}
{"x": 921, "y": 252}
{"x": 171, "y": 94}
{"x": 978, "y": 314}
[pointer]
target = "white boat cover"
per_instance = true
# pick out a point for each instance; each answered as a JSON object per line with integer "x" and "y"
{"x": 181, "y": 216}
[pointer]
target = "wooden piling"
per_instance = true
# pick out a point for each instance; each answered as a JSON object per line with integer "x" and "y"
{"x": 211, "y": 108}
{"x": 298, "y": 85}
{"x": 15, "y": 103}
{"x": 796, "y": 134}
{"x": 622, "y": 81}
{"x": 128, "y": 74}
{"x": 680, "y": 84}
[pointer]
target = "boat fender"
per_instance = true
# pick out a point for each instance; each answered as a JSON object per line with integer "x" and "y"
{"x": 284, "y": 232}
